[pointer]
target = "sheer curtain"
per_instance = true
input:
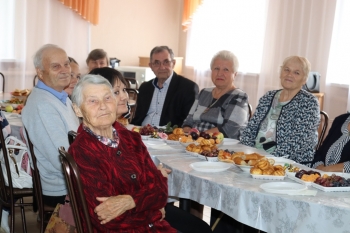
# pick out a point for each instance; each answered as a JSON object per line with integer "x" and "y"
{"x": 36, "y": 23}
{"x": 339, "y": 57}
{"x": 262, "y": 37}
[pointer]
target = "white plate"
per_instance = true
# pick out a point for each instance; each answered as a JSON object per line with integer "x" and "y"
{"x": 230, "y": 141}
{"x": 145, "y": 137}
{"x": 192, "y": 153}
{"x": 211, "y": 159}
{"x": 268, "y": 177}
{"x": 291, "y": 175}
{"x": 5, "y": 103}
{"x": 333, "y": 189}
{"x": 153, "y": 143}
{"x": 172, "y": 142}
{"x": 244, "y": 168}
{"x": 155, "y": 139}
{"x": 210, "y": 166}
{"x": 185, "y": 144}
{"x": 282, "y": 161}
{"x": 283, "y": 187}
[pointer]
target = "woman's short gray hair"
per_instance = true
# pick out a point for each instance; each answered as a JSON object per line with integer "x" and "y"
{"x": 77, "y": 95}
{"x": 305, "y": 64}
{"x": 226, "y": 55}
{"x": 38, "y": 56}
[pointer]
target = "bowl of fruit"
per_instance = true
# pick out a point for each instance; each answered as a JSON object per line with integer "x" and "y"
{"x": 146, "y": 131}
{"x": 196, "y": 137}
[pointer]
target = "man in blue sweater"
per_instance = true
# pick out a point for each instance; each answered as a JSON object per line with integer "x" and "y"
{"x": 48, "y": 116}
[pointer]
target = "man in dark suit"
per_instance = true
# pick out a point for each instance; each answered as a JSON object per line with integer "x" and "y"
{"x": 166, "y": 98}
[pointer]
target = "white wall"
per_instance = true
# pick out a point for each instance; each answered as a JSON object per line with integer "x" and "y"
{"x": 131, "y": 28}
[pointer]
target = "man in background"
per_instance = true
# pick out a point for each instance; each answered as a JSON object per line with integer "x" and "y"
{"x": 48, "y": 116}
{"x": 166, "y": 98}
{"x": 97, "y": 58}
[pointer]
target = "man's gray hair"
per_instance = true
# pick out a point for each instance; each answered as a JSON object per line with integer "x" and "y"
{"x": 77, "y": 95}
{"x": 228, "y": 56}
{"x": 38, "y": 56}
{"x": 162, "y": 48}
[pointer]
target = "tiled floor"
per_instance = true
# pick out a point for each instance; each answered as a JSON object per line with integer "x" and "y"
{"x": 33, "y": 225}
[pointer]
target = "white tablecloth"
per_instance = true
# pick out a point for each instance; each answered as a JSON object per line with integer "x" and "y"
{"x": 239, "y": 196}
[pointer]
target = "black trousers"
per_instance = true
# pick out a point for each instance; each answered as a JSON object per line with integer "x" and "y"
{"x": 53, "y": 200}
{"x": 184, "y": 221}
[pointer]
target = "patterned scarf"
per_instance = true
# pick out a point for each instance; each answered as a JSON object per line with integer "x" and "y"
{"x": 108, "y": 142}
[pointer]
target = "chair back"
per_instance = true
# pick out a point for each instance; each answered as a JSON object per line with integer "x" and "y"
{"x": 75, "y": 190}
{"x": 43, "y": 209}
{"x": 6, "y": 191}
{"x": 322, "y": 128}
{"x": 133, "y": 83}
{"x": 35, "y": 80}
{"x": 3, "y": 82}
{"x": 9, "y": 194}
{"x": 250, "y": 111}
{"x": 71, "y": 136}
{"x": 133, "y": 93}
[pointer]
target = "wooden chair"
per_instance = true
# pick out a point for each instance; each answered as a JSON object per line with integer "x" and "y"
{"x": 45, "y": 211}
{"x": 322, "y": 128}
{"x": 3, "y": 82}
{"x": 35, "y": 80}
{"x": 71, "y": 136}
{"x": 250, "y": 111}
{"x": 9, "y": 196}
{"x": 76, "y": 193}
{"x": 133, "y": 93}
{"x": 132, "y": 83}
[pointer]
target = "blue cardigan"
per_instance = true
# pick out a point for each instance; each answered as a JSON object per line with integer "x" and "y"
{"x": 296, "y": 128}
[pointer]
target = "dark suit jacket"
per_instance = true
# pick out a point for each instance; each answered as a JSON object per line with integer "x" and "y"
{"x": 181, "y": 94}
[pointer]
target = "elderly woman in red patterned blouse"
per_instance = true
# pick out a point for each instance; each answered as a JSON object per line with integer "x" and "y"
{"x": 124, "y": 190}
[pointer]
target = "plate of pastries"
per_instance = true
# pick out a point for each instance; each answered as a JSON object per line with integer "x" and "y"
{"x": 17, "y": 93}
{"x": 266, "y": 169}
{"x": 242, "y": 160}
{"x": 174, "y": 137}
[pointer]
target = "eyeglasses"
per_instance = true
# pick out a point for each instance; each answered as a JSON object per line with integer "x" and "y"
{"x": 165, "y": 63}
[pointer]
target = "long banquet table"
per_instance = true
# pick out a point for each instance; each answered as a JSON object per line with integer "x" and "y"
{"x": 238, "y": 195}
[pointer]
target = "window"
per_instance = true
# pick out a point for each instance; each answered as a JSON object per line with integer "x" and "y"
{"x": 234, "y": 25}
{"x": 339, "y": 57}
{"x": 7, "y": 21}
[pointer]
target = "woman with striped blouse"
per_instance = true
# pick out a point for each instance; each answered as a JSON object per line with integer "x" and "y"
{"x": 334, "y": 153}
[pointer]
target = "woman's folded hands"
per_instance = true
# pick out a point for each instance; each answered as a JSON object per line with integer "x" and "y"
{"x": 112, "y": 207}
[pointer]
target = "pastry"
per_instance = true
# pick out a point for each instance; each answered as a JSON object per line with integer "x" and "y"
{"x": 178, "y": 131}
{"x": 268, "y": 171}
{"x": 278, "y": 173}
{"x": 239, "y": 161}
{"x": 237, "y": 154}
{"x": 255, "y": 171}
{"x": 252, "y": 162}
{"x": 278, "y": 167}
{"x": 250, "y": 157}
{"x": 206, "y": 148}
{"x": 263, "y": 164}
{"x": 205, "y": 142}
